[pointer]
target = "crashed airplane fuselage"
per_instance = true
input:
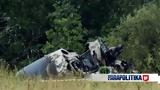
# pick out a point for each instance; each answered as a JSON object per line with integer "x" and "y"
{"x": 63, "y": 61}
{"x": 52, "y": 64}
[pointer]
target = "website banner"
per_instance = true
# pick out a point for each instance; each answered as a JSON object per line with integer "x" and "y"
{"x": 125, "y": 77}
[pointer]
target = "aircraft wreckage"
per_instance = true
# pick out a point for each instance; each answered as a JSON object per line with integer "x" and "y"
{"x": 62, "y": 61}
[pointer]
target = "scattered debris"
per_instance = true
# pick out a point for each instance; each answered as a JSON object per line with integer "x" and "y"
{"x": 62, "y": 61}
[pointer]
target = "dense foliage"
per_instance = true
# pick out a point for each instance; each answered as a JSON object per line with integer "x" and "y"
{"x": 67, "y": 30}
{"x": 31, "y": 28}
{"x": 141, "y": 35}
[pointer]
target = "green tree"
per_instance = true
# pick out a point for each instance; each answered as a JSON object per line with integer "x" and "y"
{"x": 67, "y": 31}
{"x": 31, "y": 32}
{"x": 25, "y": 34}
{"x": 140, "y": 34}
{"x": 98, "y": 16}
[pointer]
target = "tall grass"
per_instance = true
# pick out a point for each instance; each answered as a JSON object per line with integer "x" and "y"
{"x": 8, "y": 81}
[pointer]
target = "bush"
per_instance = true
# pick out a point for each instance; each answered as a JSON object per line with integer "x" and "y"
{"x": 141, "y": 35}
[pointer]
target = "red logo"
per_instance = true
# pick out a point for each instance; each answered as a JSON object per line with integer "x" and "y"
{"x": 145, "y": 77}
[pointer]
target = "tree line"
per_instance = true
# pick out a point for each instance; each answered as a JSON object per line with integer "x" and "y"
{"x": 30, "y": 29}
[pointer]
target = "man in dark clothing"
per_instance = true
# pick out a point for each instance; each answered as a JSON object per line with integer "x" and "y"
{"x": 112, "y": 54}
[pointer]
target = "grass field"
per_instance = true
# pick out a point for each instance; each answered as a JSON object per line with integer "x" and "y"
{"x": 8, "y": 81}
